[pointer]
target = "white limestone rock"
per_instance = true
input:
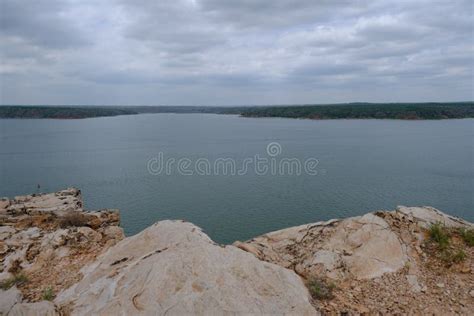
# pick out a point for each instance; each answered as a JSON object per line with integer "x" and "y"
{"x": 4, "y": 203}
{"x": 113, "y": 232}
{"x": 362, "y": 247}
{"x": 8, "y": 299}
{"x": 50, "y": 237}
{"x": 89, "y": 234}
{"x": 6, "y": 232}
{"x": 427, "y": 215}
{"x": 173, "y": 268}
{"x": 59, "y": 203}
{"x": 43, "y": 308}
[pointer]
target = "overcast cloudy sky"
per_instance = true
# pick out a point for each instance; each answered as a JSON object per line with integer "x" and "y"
{"x": 211, "y": 52}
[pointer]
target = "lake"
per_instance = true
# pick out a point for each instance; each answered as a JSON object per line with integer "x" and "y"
{"x": 362, "y": 166}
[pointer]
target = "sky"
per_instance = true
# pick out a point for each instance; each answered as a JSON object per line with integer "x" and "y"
{"x": 246, "y": 52}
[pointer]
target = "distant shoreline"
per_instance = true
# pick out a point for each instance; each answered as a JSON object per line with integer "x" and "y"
{"x": 397, "y": 111}
{"x": 65, "y": 113}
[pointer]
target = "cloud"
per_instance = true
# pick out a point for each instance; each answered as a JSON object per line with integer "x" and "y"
{"x": 278, "y": 14}
{"x": 39, "y": 22}
{"x": 235, "y": 52}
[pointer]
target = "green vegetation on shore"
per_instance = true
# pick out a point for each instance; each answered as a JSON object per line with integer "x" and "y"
{"x": 444, "y": 239}
{"x": 402, "y": 111}
{"x": 56, "y": 112}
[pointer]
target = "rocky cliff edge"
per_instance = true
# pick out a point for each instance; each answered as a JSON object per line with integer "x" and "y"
{"x": 57, "y": 258}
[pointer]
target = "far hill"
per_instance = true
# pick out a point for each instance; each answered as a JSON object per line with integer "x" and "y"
{"x": 56, "y": 112}
{"x": 401, "y": 111}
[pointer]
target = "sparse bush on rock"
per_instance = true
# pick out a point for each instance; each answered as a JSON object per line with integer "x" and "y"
{"x": 48, "y": 294}
{"x": 320, "y": 289}
{"x": 16, "y": 279}
{"x": 75, "y": 219}
{"x": 468, "y": 236}
{"x": 442, "y": 236}
{"x": 439, "y": 234}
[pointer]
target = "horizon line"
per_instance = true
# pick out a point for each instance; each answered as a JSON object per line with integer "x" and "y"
{"x": 235, "y": 105}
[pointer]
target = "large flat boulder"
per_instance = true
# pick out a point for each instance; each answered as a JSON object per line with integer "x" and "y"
{"x": 58, "y": 203}
{"x": 173, "y": 268}
{"x": 362, "y": 247}
{"x": 386, "y": 262}
{"x": 427, "y": 215}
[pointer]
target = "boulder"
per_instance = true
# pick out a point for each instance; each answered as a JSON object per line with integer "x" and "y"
{"x": 89, "y": 234}
{"x": 43, "y": 308}
{"x": 113, "y": 232}
{"x": 50, "y": 238}
{"x": 362, "y": 247}
{"x": 427, "y": 215}
{"x": 58, "y": 203}
{"x": 108, "y": 217}
{"x": 173, "y": 268}
{"x": 4, "y": 203}
{"x": 366, "y": 247}
{"x": 6, "y": 232}
{"x": 9, "y": 298}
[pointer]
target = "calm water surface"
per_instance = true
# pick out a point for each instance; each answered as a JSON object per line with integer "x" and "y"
{"x": 364, "y": 165}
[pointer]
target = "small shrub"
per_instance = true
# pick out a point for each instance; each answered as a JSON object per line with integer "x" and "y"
{"x": 17, "y": 279}
{"x": 448, "y": 253}
{"x": 48, "y": 294}
{"x": 450, "y": 256}
{"x": 459, "y": 256}
{"x": 75, "y": 219}
{"x": 320, "y": 289}
{"x": 439, "y": 234}
{"x": 467, "y": 236}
